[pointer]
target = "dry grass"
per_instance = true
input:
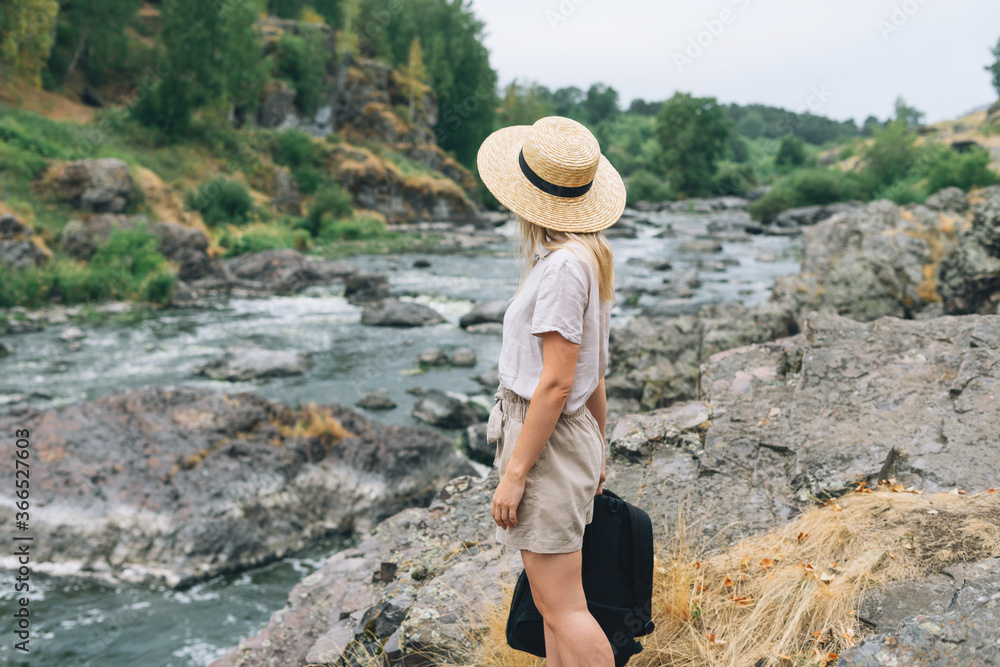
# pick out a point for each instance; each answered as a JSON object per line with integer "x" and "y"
{"x": 318, "y": 422}
{"x": 788, "y": 597}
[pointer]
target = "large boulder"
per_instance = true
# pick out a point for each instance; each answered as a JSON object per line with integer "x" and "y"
{"x": 175, "y": 484}
{"x": 877, "y": 262}
{"x": 392, "y": 312}
{"x": 20, "y": 248}
{"x": 101, "y": 185}
{"x": 281, "y": 271}
{"x": 805, "y": 216}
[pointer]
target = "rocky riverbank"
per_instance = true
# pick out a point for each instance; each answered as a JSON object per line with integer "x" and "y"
{"x": 780, "y": 426}
{"x": 174, "y": 484}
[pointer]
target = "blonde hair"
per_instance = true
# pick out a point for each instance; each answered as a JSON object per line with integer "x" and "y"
{"x": 596, "y": 247}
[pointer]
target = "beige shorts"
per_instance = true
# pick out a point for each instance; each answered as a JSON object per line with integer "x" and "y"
{"x": 559, "y": 490}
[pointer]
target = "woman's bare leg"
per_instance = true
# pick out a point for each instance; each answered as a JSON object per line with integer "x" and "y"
{"x": 552, "y": 658}
{"x": 557, "y": 588}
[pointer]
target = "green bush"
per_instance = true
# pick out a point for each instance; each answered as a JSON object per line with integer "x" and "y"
{"x": 258, "y": 237}
{"x": 294, "y": 148}
{"x": 127, "y": 266}
{"x": 891, "y": 155}
{"x": 805, "y": 188}
{"x": 903, "y": 192}
{"x": 221, "y": 200}
{"x": 351, "y": 229}
{"x": 643, "y": 185}
{"x": 332, "y": 201}
{"x": 946, "y": 167}
{"x": 734, "y": 179}
{"x": 791, "y": 154}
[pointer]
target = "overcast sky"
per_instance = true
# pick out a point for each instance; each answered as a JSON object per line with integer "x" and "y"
{"x": 840, "y": 58}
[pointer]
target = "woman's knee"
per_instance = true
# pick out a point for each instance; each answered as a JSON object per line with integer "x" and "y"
{"x": 556, "y": 583}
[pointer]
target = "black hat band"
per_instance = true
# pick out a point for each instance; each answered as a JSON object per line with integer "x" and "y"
{"x": 550, "y": 188}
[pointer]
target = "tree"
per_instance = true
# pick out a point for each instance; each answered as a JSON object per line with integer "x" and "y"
{"x": 212, "y": 56}
{"x": 96, "y": 32}
{"x": 524, "y": 104}
{"x": 791, "y": 153}
{"x": 568, "y": 102}
{"x": 457, "y": 62}
{"x": 994, "y": 69}
{"x": 893, "y": 153}
{"x": 693, "y": 132}
{"x": 907, "y": 113}
{"x": 26, "y": 37}
{"x": 641, "y": 107}
{"x": 417, "y": 74}
{"x": 871, "y": 125}
{"x": 600, "y": 104}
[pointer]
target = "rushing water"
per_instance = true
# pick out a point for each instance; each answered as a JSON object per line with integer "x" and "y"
{"x": 86, "y": 623}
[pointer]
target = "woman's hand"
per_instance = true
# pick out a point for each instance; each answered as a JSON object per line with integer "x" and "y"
{"x": 604, "y": 477}
{"x": 506, "y": 499}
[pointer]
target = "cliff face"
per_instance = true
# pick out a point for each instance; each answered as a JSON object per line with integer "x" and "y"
{"x": 367, "y": 104}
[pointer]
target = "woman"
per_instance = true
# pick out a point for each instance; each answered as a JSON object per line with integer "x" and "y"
{"x": 550, "y": 408}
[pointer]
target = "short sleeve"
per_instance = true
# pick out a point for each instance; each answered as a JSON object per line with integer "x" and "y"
{"x": 562, "y": 299}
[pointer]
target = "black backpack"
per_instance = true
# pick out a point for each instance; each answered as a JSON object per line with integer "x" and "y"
{"x": 617, "y": 581}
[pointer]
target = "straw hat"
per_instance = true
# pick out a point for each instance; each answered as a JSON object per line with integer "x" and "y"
{"x": 552, "y": 173}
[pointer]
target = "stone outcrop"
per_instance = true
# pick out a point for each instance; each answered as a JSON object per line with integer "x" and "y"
{"x": 654, "y": 360}
{"x": 969, "y": 279}
{"x": 100, "y": 185}
{"x": 956, "y": 621}
{"x": 778, "y": 426}
{"x": 20, "y": 248}
{"x": 175, "y": 484}
{"x": 911, "y": 262}
{"x": 379, "y": 185}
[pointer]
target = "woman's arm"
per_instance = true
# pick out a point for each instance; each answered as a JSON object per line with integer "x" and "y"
{"x": 558, "y": 369}
{"x": 598, "y": 406}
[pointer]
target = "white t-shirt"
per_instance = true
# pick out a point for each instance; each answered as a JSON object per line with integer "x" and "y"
{"x": 560, "y": 294}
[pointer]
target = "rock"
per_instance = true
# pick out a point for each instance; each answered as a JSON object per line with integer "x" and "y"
{"x": 949, "y": 199}
{"x": 476, "y": 447}
{"x": 464, "y": 357}
{"x": 489, "y": 311}
{"x": 437, "y": 408}
{"x": 874, "y": 263}
{"x": 378, "y": 185}
{"x": 5, "y": 349}
{"x": 421, "y": 263}
{"x": 969, "y": 280}
{"x": 174, "y": 484}
{"x": 804, "y": 216}
{"x": 246, "y": 360}
{"x": 955, "y": 625}
{"x": 271, "y": 272}
{"x": 19, "y": 247}
{"x": 277, "y": 100}
{"x": 654, "y": 361}
{"x": 364, "y": 286}
{"x": 91, "y": 97}
{"x": 377, "y": 400}
{"x": 635, "y": 436}
{"x": 185, "y": 246}
{"x": 101, "y": 185}
{"x": 395, "y": 313}
{"x": 285, "y": 195}
{"x": 700, "y": 247}
{"x": 432, "y": 356}
{"x": 71, "y": 334}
